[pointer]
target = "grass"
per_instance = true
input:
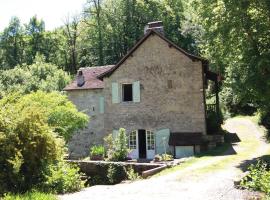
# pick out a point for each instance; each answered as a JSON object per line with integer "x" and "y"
{"x": 248, "y": 146}
{"x": 30, "y": 196}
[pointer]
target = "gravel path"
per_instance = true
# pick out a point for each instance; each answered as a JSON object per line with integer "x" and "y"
{"x": 191, "y": 183}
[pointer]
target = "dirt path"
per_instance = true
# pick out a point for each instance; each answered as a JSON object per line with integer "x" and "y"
{"x": 208, "y": 178}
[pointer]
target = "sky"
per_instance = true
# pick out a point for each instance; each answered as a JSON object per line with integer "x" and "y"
{"x": 53, "y": 12}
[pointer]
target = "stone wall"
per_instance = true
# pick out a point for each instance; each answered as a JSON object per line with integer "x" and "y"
{"x": 87, "y": 101}
{"x": 154, "y": 63}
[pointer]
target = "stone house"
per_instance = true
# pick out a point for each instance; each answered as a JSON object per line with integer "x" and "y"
{"x": 156, "y": 92}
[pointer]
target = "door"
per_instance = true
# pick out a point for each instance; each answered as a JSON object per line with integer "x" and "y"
{"x": 184, "y": 151}
{"x": 150, "y": 144}
{"x": 142, "y": 143}
{"x": 133, "y": 145}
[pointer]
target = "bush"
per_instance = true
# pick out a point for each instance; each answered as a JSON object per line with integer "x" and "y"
{"x": 119, "y": 149}
{"x": 258, "y": 178}
{"x": 62, "y": 178}
{"x": 60, "y": 113}
{"x": 214, "y": 122}
{"x": 166, "y": 157}
{"x": 97, "y": 152}
{"x": 116, "y": 173}
{"x": 131, "y": 174}
{"x": 27, "y": 145}
{"x": 28, "y": 142}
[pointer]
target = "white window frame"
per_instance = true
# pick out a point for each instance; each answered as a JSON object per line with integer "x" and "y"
{"x": 132, "y": 137}
{"x": 150, "y": 145}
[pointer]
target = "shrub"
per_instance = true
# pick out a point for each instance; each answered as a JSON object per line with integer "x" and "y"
{"x": 27, "y": 144}
{"x": 214, "y": 122}
{"x": 131, "y": 174}
{"x": 108, "y": 142}
{"x": 120, "y": 147}
{"x": 97, "y": 151}
{"x": 62, "y": 178}
{"x": 166, "y": 157}
{"x": 60, "y": 113}
{"x": 258, "y": 178}
{"x": 116, "y": 173}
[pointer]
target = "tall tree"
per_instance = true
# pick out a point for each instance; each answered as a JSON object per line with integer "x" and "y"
{"x": 11, "y": 44}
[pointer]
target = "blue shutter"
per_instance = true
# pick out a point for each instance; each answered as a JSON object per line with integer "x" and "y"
{"x": 115, "y": 93}
{"x": 101, "y": 104}
{"x": 136, "y": 91}
{"x": 162, "y": 137}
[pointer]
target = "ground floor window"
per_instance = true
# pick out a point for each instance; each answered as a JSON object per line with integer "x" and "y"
{"x": 150, "y": 140}
{"x": 133, "y": 140}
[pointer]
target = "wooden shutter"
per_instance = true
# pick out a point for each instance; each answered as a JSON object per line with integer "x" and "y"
{"x": 101, "y": 104}
{"x": 136, "y": 91}
{"x": 162, "y": 137}
{"x": 115, "y": 93}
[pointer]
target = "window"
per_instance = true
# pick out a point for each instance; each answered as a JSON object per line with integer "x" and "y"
{"x": 133, "y": 140}
{"x": 127, "y": 92}
{"x": 150, "y": 140}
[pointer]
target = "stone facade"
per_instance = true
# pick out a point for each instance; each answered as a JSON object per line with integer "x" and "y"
{"x": 154, "y": 63}
{"x": 87, "y": 101}
{"x": 171, "y": 86}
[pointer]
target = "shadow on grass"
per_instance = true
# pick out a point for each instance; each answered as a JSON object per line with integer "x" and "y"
{"x": 246, "y": 163}
{"x": 222, "y": 150}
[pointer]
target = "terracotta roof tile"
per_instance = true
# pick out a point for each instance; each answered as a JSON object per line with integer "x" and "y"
{"x": 90, "y": 76}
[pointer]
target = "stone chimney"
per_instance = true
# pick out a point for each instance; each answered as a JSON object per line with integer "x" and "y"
{"x": 157, "y": 26}
{"x": 80, "y": 79}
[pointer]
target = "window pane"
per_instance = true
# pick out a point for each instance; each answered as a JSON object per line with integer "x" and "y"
{"x": 127, "y": 92}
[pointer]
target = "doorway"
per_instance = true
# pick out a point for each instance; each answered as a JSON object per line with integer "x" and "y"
{"x": 142, "y": 143}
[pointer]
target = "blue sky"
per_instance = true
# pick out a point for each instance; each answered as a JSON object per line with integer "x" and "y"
{"x": 53, "y": 12}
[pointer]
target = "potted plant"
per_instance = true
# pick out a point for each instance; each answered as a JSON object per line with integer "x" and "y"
{"x": 97, "y": 152}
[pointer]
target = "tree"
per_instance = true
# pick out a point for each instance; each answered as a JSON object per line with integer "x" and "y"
{"x": 28, "y": 78}
{"x": 11, "y": 44}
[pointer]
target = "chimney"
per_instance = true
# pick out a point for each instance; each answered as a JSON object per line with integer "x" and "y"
{"x": 157, "y": 26}
{"x": 80, "y": 78}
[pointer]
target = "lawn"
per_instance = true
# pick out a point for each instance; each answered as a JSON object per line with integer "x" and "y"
{"x": 30, "y": 196}
{"x": 215, "y": 159}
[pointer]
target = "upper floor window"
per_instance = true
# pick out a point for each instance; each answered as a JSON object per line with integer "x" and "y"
{"x": 127, "y": 92}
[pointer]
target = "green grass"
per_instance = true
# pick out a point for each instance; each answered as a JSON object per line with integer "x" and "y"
{"x": 248, "y": 146}
{"x": 30, "y": 196}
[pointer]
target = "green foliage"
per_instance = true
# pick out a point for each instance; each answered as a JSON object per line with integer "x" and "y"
{"x": 33, "y": 195}
{"x": 163, "y": 157}
{"x": 131, "y": 174}
{"x": 62, "y": 178}
{"x": 213, "y": 121}
{"x": 236, "y": 41}
{"x": 27, "y": 144}
{"x": 119, "y": 149}
{"x": 258, "y": 178}
{"x": 60, "y": 113}
{"x": 116, "y": 173}
{"x": 97, "y": 150}
{"x": 38, "y": 76}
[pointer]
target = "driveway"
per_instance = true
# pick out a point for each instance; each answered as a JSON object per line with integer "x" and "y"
{"x": 205, "y": 178}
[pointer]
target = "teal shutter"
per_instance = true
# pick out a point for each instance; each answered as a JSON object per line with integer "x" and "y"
{"x": 101, "y": 104}
{"x": 162, "y": 137}
{"x": 115, "y": 133}
{"x": 136, "y": 91}
{"x": 115, "y": 93}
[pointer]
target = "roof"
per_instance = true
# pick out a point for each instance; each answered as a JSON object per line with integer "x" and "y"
{"x": 184, "y": 139}
{"x": 90, "y": 76}
{"x": 171, "y": 44}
